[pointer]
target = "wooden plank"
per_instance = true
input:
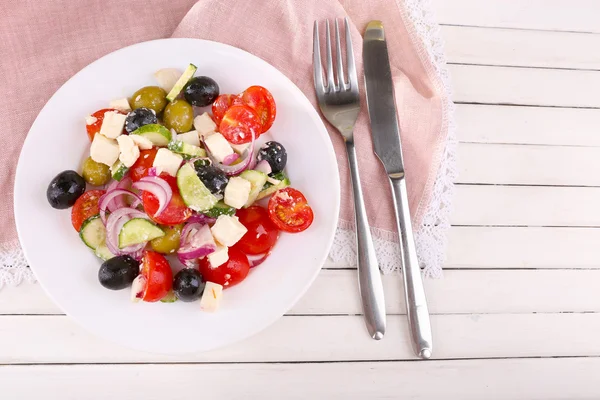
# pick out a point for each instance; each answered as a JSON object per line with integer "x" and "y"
{"x": 509, "y": 47}
{"x": 527, "y": 125}
{"x": 528, "y": 165}
{"x": 517, "y": 247}
{"x": 321, "y": 338}
{"x": 525, "y": 86}
{"x": 504, "y": 291}
{"x": 526, "y": 206}
{"x": 553, "y": 15}
{"x": 527, "y": 379}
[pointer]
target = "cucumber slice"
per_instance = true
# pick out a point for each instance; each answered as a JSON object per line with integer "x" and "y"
{"x": 269, "y": 189}
{"x": 186, "y": 150}
{"x": 169, "y": 298}
{"x": 257, "y": 180}
{"x": 183, "y": 79}
{"x": 138, "y": 230}
{"x": 103, "y": 252}
{"x": 93, "y": 232}
{"x": 195, "y": 195}
{"x": 219, "y": 209}
{"x": 157, "y": 134}
{"x": 118, "y": 170}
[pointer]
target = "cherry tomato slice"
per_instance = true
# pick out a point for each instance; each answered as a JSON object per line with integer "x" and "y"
{"x": 175, "y": 213}
{"x": 238, "y": 124}
{"x": 86, "y": 206}
{"x": 94, "y": 128}
{"x": 260, "y": 100}
{"x": 229, "y": 274}
{"x": 222, "y": 104}
{"x": 144, "y": 162}
{"x": 289, "y": 210}
{"x": 262, "y": 233}
{"x": 158, "y": 274}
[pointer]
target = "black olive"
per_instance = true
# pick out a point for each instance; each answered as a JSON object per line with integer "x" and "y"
{"x": 118, "y": 272}
{"x": 274, "y": 153}
{"x": 201, "y": 91}
{"x": 140, "y": 117}
{"x": 65, "y": 189}
{"x": 213, "y": 178}
{"x": 188, "y": 285}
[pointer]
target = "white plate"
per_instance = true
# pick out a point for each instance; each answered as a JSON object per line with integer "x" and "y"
{"x": 67, "y": 269}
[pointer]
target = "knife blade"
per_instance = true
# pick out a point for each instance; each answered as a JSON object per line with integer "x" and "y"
{"x": 385, "y": 131}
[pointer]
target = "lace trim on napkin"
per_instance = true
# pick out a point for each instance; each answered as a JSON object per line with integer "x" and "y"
{"x": 430, "y": 236}
{"x": 13, "y": 266}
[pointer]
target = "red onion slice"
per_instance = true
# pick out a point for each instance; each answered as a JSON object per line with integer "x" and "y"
{"x": 196, "y": 242}
{"x": 159, "y": 188}
{"x": 264, "y": 166}
{"x": 201, "y": 219}
{"x": 228, "y": 160}
{"x": 110, "y": 197}
{"x": 247, "y": 160}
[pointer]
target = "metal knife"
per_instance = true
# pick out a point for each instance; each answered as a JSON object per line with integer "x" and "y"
{"x": 386, "y": 141}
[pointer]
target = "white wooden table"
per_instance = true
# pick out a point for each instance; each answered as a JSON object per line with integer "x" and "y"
{"x": 518, "y": 312}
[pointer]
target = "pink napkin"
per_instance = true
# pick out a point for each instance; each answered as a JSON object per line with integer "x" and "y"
{"x": 44, "y": 43}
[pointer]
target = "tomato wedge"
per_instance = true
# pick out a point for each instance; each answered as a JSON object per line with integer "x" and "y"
{"x": 86, "y": 206}
{"x": 158, "y": 274}
{"x": 175, "y": 213}
{"x": 238, "y": 124}
{"x": 229, "y": 274}
{"x": 94, "y": 127}
{"x": 289, "y": 210}
{"x": 144, "y": 162}
{"x": 222, "y": 104}
{"x": 262, "y": 233}
{"x": 260, "y": 100}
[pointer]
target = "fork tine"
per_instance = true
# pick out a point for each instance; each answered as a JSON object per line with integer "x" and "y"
{"x": 317, "y": 66}
{"x": 331, "y": 84}
{"x": 352, "y": 77}
{"x": 340, "y": 66}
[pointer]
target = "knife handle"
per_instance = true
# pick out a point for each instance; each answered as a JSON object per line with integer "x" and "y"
{"x": 369, "y": 278}
{"x": 414, "y": 293}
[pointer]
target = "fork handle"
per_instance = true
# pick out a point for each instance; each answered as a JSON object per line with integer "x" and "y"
{"x": 414, "y": 293}
{"x": 369, "y": 278}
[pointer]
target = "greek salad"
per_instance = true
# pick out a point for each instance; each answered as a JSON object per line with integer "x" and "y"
{"x": 179, "y": 202}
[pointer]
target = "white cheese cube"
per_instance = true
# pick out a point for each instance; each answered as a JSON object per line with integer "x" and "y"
{"x": 219, "y": 257}
{"x": 167, "y": 78}
{"x": 129, "y": 152}
{"x": 190, "y": 137}
{"x": 167, "y": 161}
{"x": 90, "y": 120}
{"x": 142, "y": 142}
{"x": 112, "y": 125}
{"x": 211, "y": 297}
{"x": 240, "y": 148}
{"x": 228, "y": 230}
{"x": 218, "y": 146}
{"x": 104, "y": 150}
{"x": 120, "y": 104}
{"x": 204, "y": 124}
{"x": 237, "y": 192}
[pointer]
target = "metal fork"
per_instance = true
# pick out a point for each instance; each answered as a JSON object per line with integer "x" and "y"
{"x": 340, "y": 104}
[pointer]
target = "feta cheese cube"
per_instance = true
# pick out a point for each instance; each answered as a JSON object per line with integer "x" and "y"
{"x": 104, "y": 150}
{"x": 190, "y": 137}
{"x": 204, "y": 124}
{"x": 228, "y": 230}
{"x": 218, "y": 146}
{"x": 167, "y": 161}
{"x": 167, "y": 78}
{"x": 237, "y": 192}
{"x": 112, "y": 125}
{"x": 142, "y": 142}
{"x": 90, "y": 120}
{"x": 213, "y": 292}
{"x": 120, "y": 104}
{"x": 128, "y": 149}
{"x": 218, "y": 257}
{"x": 240, "y": 148}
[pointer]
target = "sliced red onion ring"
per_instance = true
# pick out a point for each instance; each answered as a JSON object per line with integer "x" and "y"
{"x": 247, "y": 161}
{"x": 228, "y": 160}
{"x": 152, "y": 171}
{"x": 110, "y": 197}
{"x": 201, "y": 219}
{"x": 255, "y": 261}
{"x": 197, "y": 242}
{"x": 159, "y": 188}
{"x": 264, "y": 166}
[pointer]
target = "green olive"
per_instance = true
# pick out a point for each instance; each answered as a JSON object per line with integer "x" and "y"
{"x": 169, "y": 243}
{"x": 179, "y": 115}
{"x": 151, "y": 97}
{"x": 95, "y": 173}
